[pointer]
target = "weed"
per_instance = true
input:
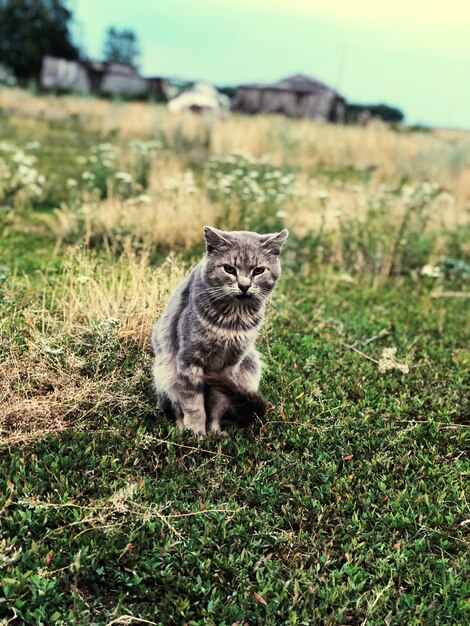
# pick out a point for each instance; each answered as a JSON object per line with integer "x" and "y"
{"x": 250, "y": 193}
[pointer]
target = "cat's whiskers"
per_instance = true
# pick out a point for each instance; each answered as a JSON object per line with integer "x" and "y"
{"x": 220, "y": 294}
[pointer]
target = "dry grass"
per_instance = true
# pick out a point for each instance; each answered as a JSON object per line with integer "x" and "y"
{"x": 170, "y": 216}
{"x": 438, "y": 156}
{"x": 43, "y": 395}
{"x": 60, "y": 376}
{"x": 356, "y": 187}
{"x": 127, "y": 293}
{"x": 131, "y": 119}
{"x": 387, "y": 156}
{"x": 323, "y": 204}
{"x": 170, "y": 219}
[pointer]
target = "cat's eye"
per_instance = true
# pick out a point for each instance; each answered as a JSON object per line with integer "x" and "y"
{"x": 258, "y": 270}
{"x": 230, "y": 269}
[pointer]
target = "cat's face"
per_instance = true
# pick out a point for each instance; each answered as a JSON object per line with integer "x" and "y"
{"x": 242, "y": 265}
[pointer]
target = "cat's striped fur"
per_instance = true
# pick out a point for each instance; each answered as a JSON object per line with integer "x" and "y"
{"x": 206, "y": 365}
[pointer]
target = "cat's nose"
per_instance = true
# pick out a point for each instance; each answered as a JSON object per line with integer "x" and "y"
{"x": 243, "y": 288}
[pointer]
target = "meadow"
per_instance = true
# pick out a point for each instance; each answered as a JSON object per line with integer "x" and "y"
{"x": 348, "y": 503}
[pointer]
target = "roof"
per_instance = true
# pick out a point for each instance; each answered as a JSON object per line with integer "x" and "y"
{"x": 298, "y": 83}
{"x": 115, "y": 68}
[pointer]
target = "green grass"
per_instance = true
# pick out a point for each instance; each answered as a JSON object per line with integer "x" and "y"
{"x": 347, "y": 505}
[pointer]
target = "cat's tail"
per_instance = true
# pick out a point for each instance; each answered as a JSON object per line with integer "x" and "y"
{"x": 246, "y": 405}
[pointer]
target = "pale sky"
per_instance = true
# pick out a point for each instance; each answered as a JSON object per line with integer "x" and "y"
{"x": 413, "y": 54}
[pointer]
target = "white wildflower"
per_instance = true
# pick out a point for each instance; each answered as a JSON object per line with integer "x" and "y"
{"x": 125, "y": 177}
{"x": 171, "y": 184}
{"x": 7, "y": 146}
{"x": 432, "y": 271}
{"x": 18, "y": 156}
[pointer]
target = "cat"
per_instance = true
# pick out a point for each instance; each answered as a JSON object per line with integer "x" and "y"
{"x": 206, "y": 366}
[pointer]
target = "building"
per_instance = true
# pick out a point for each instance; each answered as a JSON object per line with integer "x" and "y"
{"x": 199, "y": 98}
{"x": 297, "y": 96}
{"x": 99, "y": 78}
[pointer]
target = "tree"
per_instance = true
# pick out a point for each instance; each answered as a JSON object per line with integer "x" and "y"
{"x": 32, "y": 29}
{"x": 121, "y": 46}
{"x": 228, "y": 90}
{"x": 380, "y": 111}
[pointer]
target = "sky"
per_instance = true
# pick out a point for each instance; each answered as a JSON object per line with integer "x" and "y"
{"x": 412, "y": 54}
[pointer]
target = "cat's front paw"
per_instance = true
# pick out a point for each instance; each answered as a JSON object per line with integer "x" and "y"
{"x": 217, "y": 431}
{"x": 195, "y": 426}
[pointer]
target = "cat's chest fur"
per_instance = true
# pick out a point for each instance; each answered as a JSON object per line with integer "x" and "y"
{"x": 223, "y": 347}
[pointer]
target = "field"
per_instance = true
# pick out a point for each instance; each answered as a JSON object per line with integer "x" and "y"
{"x": 348, "y": 503}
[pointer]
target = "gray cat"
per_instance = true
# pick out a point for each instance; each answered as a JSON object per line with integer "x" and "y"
{"x": 206, "y": 365}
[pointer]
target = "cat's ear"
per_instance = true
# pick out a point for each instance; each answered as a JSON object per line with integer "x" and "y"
{"x": 274, "y": 242}
{"x": 215, "y": 239}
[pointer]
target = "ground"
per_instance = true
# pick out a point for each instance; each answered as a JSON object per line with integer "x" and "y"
{"x": 348, "y": 503}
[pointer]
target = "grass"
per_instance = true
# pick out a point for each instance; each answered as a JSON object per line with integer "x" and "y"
{"x": 376, "y": 152}
{"x": 348, "y": 504}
